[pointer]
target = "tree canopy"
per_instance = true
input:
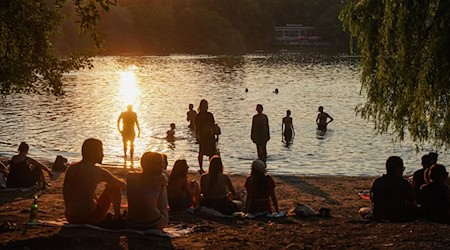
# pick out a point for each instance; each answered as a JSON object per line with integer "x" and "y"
{"x": 28, "y": 61}
{"x": 405, "y": 64}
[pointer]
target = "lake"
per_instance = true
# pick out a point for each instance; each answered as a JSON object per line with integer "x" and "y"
{"x": 161, "y": 88}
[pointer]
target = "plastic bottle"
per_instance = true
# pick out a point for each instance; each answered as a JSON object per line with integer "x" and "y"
{"x": 34, "y": 210}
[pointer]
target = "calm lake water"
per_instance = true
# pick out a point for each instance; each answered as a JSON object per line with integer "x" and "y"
{"x": 160, "y": 88}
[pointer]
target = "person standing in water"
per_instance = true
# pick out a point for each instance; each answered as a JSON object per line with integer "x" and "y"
{"x": 322, "y": 119}
{"x": 260, "y": 134}
{"x": 129, "y": 121}
{"x": 190, "y": 116}
{"x": 205, "y": 131}
{"x": 287, "y": 127}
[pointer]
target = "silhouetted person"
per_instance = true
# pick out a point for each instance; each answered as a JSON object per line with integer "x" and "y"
{"x": 260, "y": 190}
{"x": 435, "y": 196}
{"x": 82, "y": 206}
{"x": 205, "y": 131}
{"x": 129, "y": 121}
{"x": 287, "y": 127}
{"x": 433, "y": 159}
{"x": 418, "y": 179}
{"x": 217, "y": 189}
{"x": 190, "y": 116}
{"x": 276, "y": 91}
{"x": 147, "y": 194}
{"x": 322, "y": 119}
{"x": 25, "y": 171}
{"x": 260, "y": 134}
{"x": 170, "y": 134}
{"x": 246, "y": 90}
{"x": 391, "y": 195}
{"x": 181, "y": 192}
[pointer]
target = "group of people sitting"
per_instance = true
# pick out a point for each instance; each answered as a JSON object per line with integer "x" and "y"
{"x": 425, "y": 195}
{"x": 152, "y": 193}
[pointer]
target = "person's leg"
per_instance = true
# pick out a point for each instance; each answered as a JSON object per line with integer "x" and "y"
{"x": 264, "y": 152}
{"x": 125, "y": 149}
{"x": 200, "y": 161}
{"x": 131, "y": 150}
{"x": 111, "y": 195}
{"x": 366, "y": 213}
{"x": 258, "y": 150}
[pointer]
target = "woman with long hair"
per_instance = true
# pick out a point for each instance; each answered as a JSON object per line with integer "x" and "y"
{"x": 260, "y": 189}
{"x": 147, "y": 194}
{"x": 205, "y": 132}
{"x": 181, "y": 192}
{"x": 26, "y": 171}
{"x": 217, "y": 188}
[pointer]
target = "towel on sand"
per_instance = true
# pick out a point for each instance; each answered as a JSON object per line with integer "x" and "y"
{"x": 170, "y": 232}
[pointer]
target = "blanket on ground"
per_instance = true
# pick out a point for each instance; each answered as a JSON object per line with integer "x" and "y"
{"x": 170, "y": 232}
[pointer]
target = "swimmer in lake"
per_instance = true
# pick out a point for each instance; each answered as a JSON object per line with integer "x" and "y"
{"x": 287, "y": 127}
{"x": 171, "y": 133}
{"x": 322, "y": 119}
{"x": 129, "y": 121}
{"x": 190, "y": 116}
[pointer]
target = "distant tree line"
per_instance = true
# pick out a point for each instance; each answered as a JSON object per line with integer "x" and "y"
{"x": 204, "y": 26}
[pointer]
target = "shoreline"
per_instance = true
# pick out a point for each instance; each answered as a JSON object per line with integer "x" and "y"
{"x": 343, "y": 230}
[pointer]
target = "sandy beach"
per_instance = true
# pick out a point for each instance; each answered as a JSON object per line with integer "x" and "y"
{"x": 343, "y": 229}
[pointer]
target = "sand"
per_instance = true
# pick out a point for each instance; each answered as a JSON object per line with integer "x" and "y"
{"x": 343, "y": 230}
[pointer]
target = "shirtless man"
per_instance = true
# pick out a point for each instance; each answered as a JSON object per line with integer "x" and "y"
{"x": 322, "y": 119}
{"x": 129, "y": 120}
{"x": 287, "y": 127}
{"x": 82, "y": 206}
{"x": 190, "y": 116}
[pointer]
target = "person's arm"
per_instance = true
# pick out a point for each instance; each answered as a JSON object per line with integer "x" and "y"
{"x": 273, "y": 197}
{"x": 40, "y": 165}
{"x": 331, "y": 119}
{"x": 187, "y": 117}
{"x": 292, "y": 126}
{"x": 267, "y": 128}
{"x": 118, "y": 123}
{"x": 249, "y": 198}
{"x": 3, "y": 169}
{"x": 252, "y": 133}
{"x": 163, "y": 208}
{"x": 109, "y": 178}
{"x": 189, "y": 187}
{"x": 317, "y": 119}
{"x": 138, "y": 127}
{"x": 282, "y": 129}
{"x": 230, "y": 185}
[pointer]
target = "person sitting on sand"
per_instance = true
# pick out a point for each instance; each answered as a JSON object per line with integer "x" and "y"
{"x": 391, "y": 195}
{"x": 418, "y": 178}
{"x": 190, "y": 116}
{"x": 171, "y": 133}
{"x": 322, "y": 119}
{"x": 147, "y": 194}
{"x": 435, "y": 196}
{"x": 260, "y": 189}
{"x": 181, "y": 192}
{"x": 217, "y": 189}
{"x": 427, "y": 173}
{"x": 82, "y": 206}
{"x": 26, "y": 171}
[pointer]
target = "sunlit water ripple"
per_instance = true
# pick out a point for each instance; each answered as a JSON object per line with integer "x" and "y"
{"x": 160, "y": 88}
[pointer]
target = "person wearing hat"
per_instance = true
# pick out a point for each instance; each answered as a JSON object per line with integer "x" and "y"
{"x": 181, "y": 192}
{"x": 260, "y": 189}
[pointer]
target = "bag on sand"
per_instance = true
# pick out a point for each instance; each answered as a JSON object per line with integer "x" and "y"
{"x": 60, "y": 164}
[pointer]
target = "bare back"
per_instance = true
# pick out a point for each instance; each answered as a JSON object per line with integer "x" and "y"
{"x": 219, "y": 189}
{"x": 80, "y": 183}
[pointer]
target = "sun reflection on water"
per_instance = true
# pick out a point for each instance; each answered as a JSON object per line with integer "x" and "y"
{"x": 129, "y": 95}
{"x": 128, "y": 87}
